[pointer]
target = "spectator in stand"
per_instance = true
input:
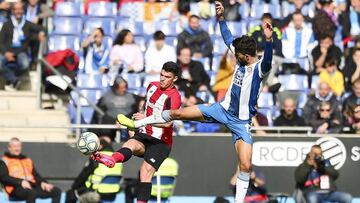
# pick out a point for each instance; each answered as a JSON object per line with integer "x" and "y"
{"x": 88, "y": 183}
{"x": 289, "y": 115}
{"x": 4, "y": 10}
{"x": 206, "y": 9}
{"x": 224, "y": 75}
{"x": 325, "y": 50}
{"x": 257, "y": 33}
{"x": 115, "y": 101}
{"x": 96, "y": 52}
{"x": 197, "y": 39}
{"x": 297, "y": 37}
{"x": 232, "y": 8}
{"x": 300, "y": 6}
{"x": 155, "y": 10}
{"x": 36, "y": 12}
{"x": 125, "y": 55}
{"x": 352, "y": 120}
{"x": 20, "y": 178}
{"x": 325, "y": 20}
{"x": 349, "y": 20}
{"x": 316, "y": 177}
{"x": 325, "y": 120}
{"x": 157, "y": 54}
{"x": 333, "y": 77}
{"x": 322, "y": 94}
{"x": 193, "y": 74}
{"x": 351, "y": 70}
{"x": 353, "y": 100}
{"x": 15, "y": 36}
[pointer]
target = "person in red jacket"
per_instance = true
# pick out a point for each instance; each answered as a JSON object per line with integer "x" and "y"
{"x": 20, "y": 178}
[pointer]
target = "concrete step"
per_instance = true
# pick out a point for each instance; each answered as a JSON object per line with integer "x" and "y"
{"x": 37, "y": 135}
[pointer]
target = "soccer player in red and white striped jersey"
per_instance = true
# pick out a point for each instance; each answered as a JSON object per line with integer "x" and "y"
{"x": 152, "y": 142}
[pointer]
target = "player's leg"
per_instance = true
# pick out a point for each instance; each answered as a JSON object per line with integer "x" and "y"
{"x": 144, "y": 189}
{"x": 244, "y": 153}
{"x": 188, "y": 113}
{"x": 132, "y": 146}
{"x": 154, "y": 156}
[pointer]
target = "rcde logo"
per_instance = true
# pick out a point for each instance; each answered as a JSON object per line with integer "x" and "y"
{"x": 334, "y": 150}
{"x": 293, "y": 153}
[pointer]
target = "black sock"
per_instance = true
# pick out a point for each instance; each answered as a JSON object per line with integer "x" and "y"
{"x": 144, "y": 192}
{"x": 126, "y": 152}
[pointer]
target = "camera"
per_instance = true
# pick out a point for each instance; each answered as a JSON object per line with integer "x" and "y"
{"x": 319, "y": 161}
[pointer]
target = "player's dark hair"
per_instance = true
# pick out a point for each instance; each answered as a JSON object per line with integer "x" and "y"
{"x": 245, "y": 45}
{"x": 171, "y": 67}
{"x": 119, "y": 40}
{"x": 159, "y": 35}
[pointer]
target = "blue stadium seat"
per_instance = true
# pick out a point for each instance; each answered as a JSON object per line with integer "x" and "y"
{"x": 141, "y": 41}
{"x": 302, "y": 99}
{"x": 206, "y": 96}
{"x": 257, "y": 10}
{"x": 315, "y": 81}
{"x": 135, "y": 27}
{"x": 90, "y": 81}
{"x": 167, "y": 27}
{"x": 61, "y": 42}
{"x": 237, "y": 28}
{"x": 67, "y": 25}
{"x": 107, "y": 24}
{"x": 294, "y": 82}
{"x": 216, "y": 63}
{"x": 265, "y": 100}
{"x": 171, "y": 40}
{"x": 208, "y": 26}
{"x": 219, "y": 45}
{"x": 74, "y": 9}
{"x": 133, "y": 79}
{"x": 205, "y": 61}
{"x": 244, "y": 10}
{"x": 102, "y": 9}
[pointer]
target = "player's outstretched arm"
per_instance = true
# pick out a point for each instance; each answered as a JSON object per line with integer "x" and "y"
{"x": 225, "y": 32}
{"x": 268, "y": 52}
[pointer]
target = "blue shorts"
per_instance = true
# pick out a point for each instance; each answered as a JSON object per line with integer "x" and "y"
{"x": 216, "y": 113}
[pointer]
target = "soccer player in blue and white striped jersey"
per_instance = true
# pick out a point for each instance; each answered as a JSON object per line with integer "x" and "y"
{"x": 238, "y": 107}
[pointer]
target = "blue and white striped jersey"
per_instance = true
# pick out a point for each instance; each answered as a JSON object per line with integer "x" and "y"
{"x": 241, "y": 97}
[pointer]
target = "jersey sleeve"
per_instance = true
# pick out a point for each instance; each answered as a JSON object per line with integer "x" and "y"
{"x": 173, "y": 102}
{"x": 226, "y": 35}
{"x": 267, "y": 59}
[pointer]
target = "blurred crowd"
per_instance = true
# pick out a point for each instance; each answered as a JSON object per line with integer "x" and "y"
{"x": 314, "y": 80}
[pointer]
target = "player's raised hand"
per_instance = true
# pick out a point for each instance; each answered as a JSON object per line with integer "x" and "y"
{"x": 219, "y": 10}
{"x": 268, "y": 30}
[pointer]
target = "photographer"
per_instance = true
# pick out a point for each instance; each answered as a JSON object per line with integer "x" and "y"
{"x": 316, "y": 176}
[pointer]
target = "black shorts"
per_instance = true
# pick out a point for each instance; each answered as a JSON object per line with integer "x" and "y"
{"x": 156, "y": 151}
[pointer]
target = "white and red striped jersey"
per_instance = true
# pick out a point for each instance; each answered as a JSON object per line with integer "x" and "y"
{"x": 157, "y": 101}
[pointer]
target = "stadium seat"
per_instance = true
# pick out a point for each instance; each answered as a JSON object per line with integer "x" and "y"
{"x": 171, "y": 40}
{"x": 141, "y": 41}
{"x": 61, "y": 42}
{"x": 206, "y": 96}
{"x": 215, "y": 63}
{"x": 67, "y": 26}
{"x": 92, "y": 94}
{"x": 244, "y": 10}
{"x": 293, "y": 82}
{"x": 70, "y": 9}
{"x": 90, "y": 81}
{"x": 206, "y": 63}
{"x": 219, "y": 46}
{"x": 208, "y": 26}
{"x": 315, "y": 82}
{"x": 133, "y": 79}
{"x": 102, "y": 9}
{"x": 257, "y": 10}
{"x": 107, "y": 24}
{"x": 237, "y": 28}
{"x": 265, "y": 100}
{"x": 135, "y": 27}
{"x": 169, "y": 28}
{"x": 302, "y": 99}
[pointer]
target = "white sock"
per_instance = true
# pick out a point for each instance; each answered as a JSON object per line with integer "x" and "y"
{"x": 242, "y": 185}
{"x": 153, "y": 119}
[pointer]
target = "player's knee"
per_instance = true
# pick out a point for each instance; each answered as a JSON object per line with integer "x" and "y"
{"x": 245, "y": 166}
{"x": 146, "y": 173}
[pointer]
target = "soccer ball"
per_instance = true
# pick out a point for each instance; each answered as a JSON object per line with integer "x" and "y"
{"x": 88, "y": 143}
